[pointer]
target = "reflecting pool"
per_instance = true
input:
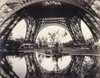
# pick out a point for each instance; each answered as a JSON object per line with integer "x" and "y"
{"x": 40, "y": 65}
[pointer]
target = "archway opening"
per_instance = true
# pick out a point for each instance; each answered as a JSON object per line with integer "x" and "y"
{"x": 19, "y": 31}
{"x": 53, "y": 34}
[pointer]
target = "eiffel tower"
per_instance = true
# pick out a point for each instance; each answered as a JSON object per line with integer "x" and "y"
{"x": 38, "y": 13}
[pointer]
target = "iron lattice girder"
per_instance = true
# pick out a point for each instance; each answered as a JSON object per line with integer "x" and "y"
{"x": 43, "y": 22}
{"x": 53, "y": 20}
{"x": 12, "y": 7}
{"x": 9, "y": 27}
{"x": 7, "y": 71}
{"x": 32, "y": 66}
{"x": 74, "y": 27}
{"x": 9, "y": 24}
{"x": 47, "y": 21}
{"x": 93, "y": 26}
{"x": 35, "y": 69}
{"x": 35, "y": 28}
{"x": 86, "y": 4}
{"x": 30, "y": 28}
{"x": 78, "y": 66}
{"x": 94, "y": 6}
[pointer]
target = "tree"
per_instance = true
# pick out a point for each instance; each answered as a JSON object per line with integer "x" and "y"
{"x": 56, "y": 37}
{"x": 44, "y": 41}
{"x": 39, "y": 42}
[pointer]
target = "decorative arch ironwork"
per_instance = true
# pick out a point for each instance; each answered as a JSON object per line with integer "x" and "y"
{"x": 13, "y": 7}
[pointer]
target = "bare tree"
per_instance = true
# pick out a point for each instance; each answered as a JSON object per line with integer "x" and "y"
{"x": 42, "y": 42}
{"x": 56, "y": 37}
{"x": 39, "y": 42}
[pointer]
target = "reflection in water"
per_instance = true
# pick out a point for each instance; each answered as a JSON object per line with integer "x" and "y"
{"x": 51, "y": 64}
{"x": 18, "y": 64}
{"x": 36, "y": 65}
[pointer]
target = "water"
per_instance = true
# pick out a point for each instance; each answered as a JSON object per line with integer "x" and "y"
{"x": 50, "y": 63}
{"x": 36, "y": 65}
{"x": 18, "y": 65}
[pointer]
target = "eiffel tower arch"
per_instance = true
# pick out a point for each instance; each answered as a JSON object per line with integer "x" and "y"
{"x": 37, "y": 13}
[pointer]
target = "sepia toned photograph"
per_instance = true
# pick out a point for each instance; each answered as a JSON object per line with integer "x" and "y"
{"x": 49, "y": 38}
